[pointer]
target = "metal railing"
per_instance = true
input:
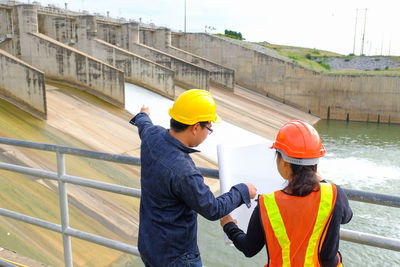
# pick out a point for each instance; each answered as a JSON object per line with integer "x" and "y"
{"x": 63, "y": 179}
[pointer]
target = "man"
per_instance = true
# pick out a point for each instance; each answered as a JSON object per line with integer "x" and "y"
{"x": 173, "y": 189}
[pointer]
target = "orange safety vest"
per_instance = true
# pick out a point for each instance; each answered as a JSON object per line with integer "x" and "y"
{"x": 295, "y": 227}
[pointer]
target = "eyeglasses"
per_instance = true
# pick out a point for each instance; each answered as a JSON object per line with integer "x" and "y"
{"x": 209, "y": 130}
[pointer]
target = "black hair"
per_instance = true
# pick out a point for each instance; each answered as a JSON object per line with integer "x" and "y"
{"x": 304, "y": 179}
{"x": 177, "y": 126}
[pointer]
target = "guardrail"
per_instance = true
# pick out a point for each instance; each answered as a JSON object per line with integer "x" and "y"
{"x": 63, "y": 178}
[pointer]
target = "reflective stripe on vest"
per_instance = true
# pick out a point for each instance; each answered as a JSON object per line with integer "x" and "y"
{"x": 271, "y": 214}
{"x": 278, "y": 226}
{"x": 324, "y": 210}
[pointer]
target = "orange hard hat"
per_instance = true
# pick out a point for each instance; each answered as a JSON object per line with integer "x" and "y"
{"x": 300, "y": 143}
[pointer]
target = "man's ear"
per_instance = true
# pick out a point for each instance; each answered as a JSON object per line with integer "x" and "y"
{"x": 194, "y": 128}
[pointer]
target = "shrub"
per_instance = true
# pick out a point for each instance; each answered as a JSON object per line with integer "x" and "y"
{"x": 315, "y": 51}
{"x": 377, "y": 59}
{"x": 387, "y": 67}
{"x": 351, "y": 54}
{"x": 233, "y": 34}
{"x": 326, "y": 66}
{"x": 293, "y": 57}
{"x": 347, "y": 59}
{"x": 377, "y": 69}
{"x": 308, "y": 56}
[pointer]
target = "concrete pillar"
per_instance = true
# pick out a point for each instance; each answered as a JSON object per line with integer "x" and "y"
{"x": 25, "y": 21}
{"x": 6, "y": 30}
{"x": 130, "y": 34}
{"x": 86, "y": 32}
{"x": 162, "y": 38}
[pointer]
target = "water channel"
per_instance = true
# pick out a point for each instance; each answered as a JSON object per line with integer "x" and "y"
{"x": 360, "y": 155}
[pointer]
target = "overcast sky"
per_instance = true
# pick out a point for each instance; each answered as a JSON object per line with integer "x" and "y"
{"x": 326, "y": 25}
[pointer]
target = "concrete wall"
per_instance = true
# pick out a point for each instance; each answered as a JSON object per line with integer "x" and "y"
{"x": 130, "y": 35}
{"x": 6, "y": 29}
{"x": 186, "y": 74}
{"x": 86, "y": 33}
{"x": 219, "y": 75}
{"x": 68, "y": 65}
{"x": 60, "y": 28}
{"x": 24, "y": 19}
{"x": 85, "y": 29}
{"x": 160, "y": 39}
{"x": 359, "y": 98}
{"x": 63, "y": 63}
{"x": 137, "y": 70}
{"x": 146, "y": 36}
{"x": 109, "y": 32}
{"x": 362, "y": 98}
{"x": 22, "y": 85}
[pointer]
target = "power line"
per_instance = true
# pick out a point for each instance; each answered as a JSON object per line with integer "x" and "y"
{"x": 355, "y": 31}
{"x": 363, "y": 37}
{"x": 185, "y": 18}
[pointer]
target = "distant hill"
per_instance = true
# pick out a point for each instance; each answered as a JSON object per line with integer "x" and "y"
{"x": 325, "y": 61}
{"x": 334, "y": 63}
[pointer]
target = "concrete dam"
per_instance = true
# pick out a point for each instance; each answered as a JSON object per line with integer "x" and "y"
{"x": 62, "y": 81}
{"x": 97, "y": 54}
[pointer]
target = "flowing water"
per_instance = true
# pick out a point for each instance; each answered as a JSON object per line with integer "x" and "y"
{"x": 362, "y": 156}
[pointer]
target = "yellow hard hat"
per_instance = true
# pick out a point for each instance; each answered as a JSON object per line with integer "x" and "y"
{"x": 193, "y": 106}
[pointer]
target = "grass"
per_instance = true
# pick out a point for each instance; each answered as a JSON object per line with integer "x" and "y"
{"x": 302, "y": 56}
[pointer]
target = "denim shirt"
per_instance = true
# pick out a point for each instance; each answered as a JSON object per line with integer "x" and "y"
{"x": 173, "y": 193}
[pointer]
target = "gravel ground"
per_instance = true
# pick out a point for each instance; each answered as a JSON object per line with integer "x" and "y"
{"x": 361, "y": 63}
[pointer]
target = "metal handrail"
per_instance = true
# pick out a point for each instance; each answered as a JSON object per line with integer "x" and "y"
{"x": 67, "y": 231}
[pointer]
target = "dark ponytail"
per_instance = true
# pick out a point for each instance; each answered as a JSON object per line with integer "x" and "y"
{"x": 304, "y": 180}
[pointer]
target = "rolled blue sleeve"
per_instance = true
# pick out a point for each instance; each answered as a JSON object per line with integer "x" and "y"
{"x": 197, "y": 195}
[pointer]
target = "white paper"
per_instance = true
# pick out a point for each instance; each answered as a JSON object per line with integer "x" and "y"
{"x": 248, "y": 164}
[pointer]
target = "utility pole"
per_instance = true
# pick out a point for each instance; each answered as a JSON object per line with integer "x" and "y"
{"x": 185, "y": 18}
{"x": 355, "y": 31}
{"x": 363, "y": 38}
{"x": 369, "y": 43}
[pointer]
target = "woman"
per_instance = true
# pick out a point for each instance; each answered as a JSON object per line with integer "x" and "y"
{"x": 300, "y": 224}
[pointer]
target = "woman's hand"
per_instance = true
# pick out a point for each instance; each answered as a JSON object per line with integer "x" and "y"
{"x": 226, "y": 219}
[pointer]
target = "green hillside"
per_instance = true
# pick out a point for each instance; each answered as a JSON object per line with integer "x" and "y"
{"x": 318, "y": 60}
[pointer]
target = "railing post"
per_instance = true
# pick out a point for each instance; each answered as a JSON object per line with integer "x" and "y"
{"x": 63, "y": 196}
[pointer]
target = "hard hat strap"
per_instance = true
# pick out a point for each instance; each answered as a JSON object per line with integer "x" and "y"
{"x": 297, "y": 161}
